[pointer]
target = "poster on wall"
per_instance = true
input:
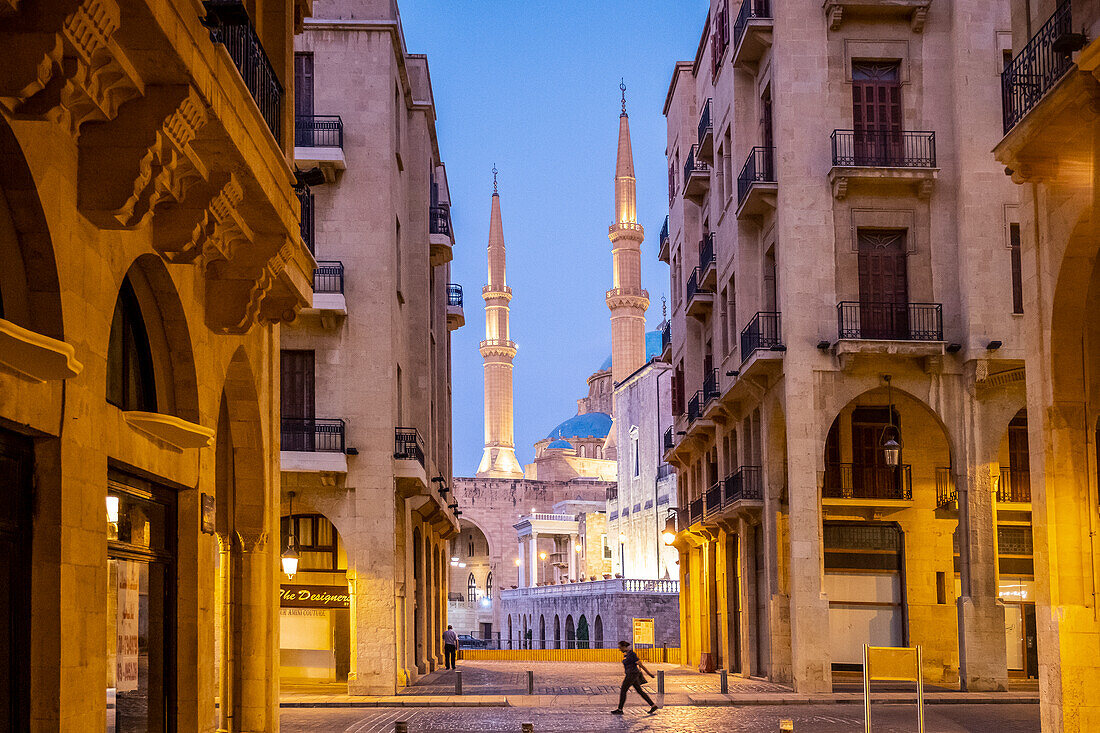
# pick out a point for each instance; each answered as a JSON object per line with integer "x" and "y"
{"x": 643, "y": 631}
{"x": 129, "y": 600}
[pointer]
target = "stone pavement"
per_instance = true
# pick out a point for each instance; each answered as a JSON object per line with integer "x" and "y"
{"x": 806, "y": 718}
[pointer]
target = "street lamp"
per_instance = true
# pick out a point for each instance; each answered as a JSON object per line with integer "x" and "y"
{"x": 291, "y": 554}
{"x": 622, "y": 553}
{"x": 890, "y": 441}
{"x": 669, "y": 535}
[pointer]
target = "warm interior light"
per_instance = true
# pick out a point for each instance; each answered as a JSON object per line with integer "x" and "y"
{"x": 891, "y": 452}
{"x": 669, "y": 537}
{"x": 290, "y": 559}
{"x": 542, "y": 555}
{"x": 112, "y": 509}
{"x": 518, "y": 562}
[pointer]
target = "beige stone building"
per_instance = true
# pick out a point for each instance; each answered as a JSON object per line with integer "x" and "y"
{"x": 851, "y": 439}
{"x": 1050, "y": 98}
{"x": 150, "y": 244}
{"x": 366, "y": 388}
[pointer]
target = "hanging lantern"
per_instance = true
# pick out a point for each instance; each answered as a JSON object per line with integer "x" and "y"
{"x": 891, "y": 452}
{"x": 669, "y": 535}
{"x": 890, "y": 442}
{"x": 291, "y": 554}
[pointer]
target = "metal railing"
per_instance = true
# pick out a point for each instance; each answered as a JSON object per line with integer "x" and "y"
{"x": 328, "y": 277}
{"x": 599, "y": 587}
{"x": 884, "y": 148}
{"x": 693, "y": 166}
{"x": 666, "y": 335}
{"x": 664, "y": 470}
{"x": 750, "y": 10}
{"x": 714, "y": 498}
{"x": 1036, "y": 69}
{"x": 668, "y": 442}
{"x": 454, "y": 294}
{"x": 744, "y": 484}
{"x": 408, "y": 445}
{"x": 711, "y": 390}
{"x": 693, "y": 288}
{"x": 312, "y": 434}
{"x": 695, "y": 405}
{"x": 695, "y": 510}
{"x": 664, "y": 232}
{"x": 946, "y": 493}
{"x": 305, "y": 200}
{"x": 763, "y": 332}
{"x": 857, "y": 481}
{"x": 706, "y": 251}
{"x": 704, "y": 122}
{"x": 1014, "y": 485}
{"x": 612, "y": 493}
{"x": 318, "y": 131}
{"x": 759, "y": 168}
{"x": 230, "y": 26}
{"x": 890, "y": 321}
{"x": 439, "y": 219}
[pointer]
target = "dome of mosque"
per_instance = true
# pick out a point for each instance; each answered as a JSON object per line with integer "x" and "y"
{"x": 588, "y": 425}
{"x": 653, "y": 349}
{"x": 560, "y": 443}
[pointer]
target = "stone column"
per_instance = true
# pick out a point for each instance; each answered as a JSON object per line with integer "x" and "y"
{"x": 520, "y": 575}
{"x": 534, "y": 545}
{"x": 225, "y": 641}
{"x": 573, "y": 540}
{"x": 255, "y": 636}
{"x": 746, "y": 590}
{"x": 710, "y": 593}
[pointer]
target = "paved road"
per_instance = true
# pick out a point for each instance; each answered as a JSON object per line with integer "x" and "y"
{"x": 765, "y": 719}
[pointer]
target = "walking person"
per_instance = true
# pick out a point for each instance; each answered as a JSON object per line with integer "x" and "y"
{"x": 633, "y": 668}
{"x": 450, "y": 647}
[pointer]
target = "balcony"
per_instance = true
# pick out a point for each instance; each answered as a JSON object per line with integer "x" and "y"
{"x": 745, "y": 484}
{"x": 695, "y": 406}
{"x": 705, "y": 149}
{"x": 662, "y": 254}
{"x": 1036, "y": 69}
{"x": 838, "y": 11}
{"x": 669, "y": 443}
{"x": 708, "y": 278}
{"x": 328, "y": 292}
{"x": 305, "y": 201}
{"x": 230, "y": 26}
{"x": 762, "y": 332}
{"x": 713, "y": 499}
{"x": 711, "y": 388}
{"x": 695, "y": 511}
{"x": 1014, "y": 486}
{"x": 757, "y": 188}
{"x": 440, "y": 234}
{"x": 696, "y": 176}
{"x": 319, "y": 141}
{"x": 883, "y": 157}
{"x": 666, "y": 341}
{"x": 851, "y": 482}
{"x": 947, "y": 495}
{"x": 890, "y": 321}
{"x": 456, "y": 318}
{"x": 699, "y": 300}
{"x": 312, "y": 445}
{"x": 408, "y": 445}
{"x": 752, "y": 34}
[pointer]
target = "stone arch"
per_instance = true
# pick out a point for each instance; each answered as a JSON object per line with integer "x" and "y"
{"x": 1075, "y": 292}
{"x": 30, "y": 292}
{"x": 582, "y": 632}
{"x": 487, "y": 536}
{"x": 542, "y": 631}
{"x": 570, "y": 633}
{"x": 557, "y": 632}
{"x": 240, "y": 435}
{"x": 597, "y": 632}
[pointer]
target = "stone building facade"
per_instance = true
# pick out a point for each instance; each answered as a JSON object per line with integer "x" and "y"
{"x": 150, "y": 243}
{"x": 1050, "y": 147}
{"x": 845, "y": 280}
{"x": 366, "y": 389}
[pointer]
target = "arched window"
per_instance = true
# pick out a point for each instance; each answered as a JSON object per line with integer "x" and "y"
{"x": 470, "y": 545}
{"x": 471, "y": 588}
{"x": 130, "y": 382}
{"x": 489, "y": 585}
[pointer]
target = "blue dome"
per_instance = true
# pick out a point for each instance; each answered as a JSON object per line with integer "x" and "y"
{"x": 559, "y": 443}
{"x": 589, "y": 425}
{"x": 653, "y": 349}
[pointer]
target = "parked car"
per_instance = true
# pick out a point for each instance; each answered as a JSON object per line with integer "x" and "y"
{"x": 465, "y": 641}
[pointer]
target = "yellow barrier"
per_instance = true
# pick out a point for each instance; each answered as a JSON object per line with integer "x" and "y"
{"x": 671, "y": 655}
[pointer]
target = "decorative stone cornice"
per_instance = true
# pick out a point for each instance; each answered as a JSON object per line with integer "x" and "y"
{"x": 502, "y": 348}
{"x": 916, "y": 9}
{"x": 490, "y": 292}
{"x": 627, "y": 298}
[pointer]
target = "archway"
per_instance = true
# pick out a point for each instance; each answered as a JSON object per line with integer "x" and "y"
{"x": 510, "y": 637}
{"x": 570, "y": 633}
{"x": 418, "y": 600}
{"x": 597, "y": 628}
{"x": 542, "y": 631}
{"x": 557, "y": 632}
{"x": 582, "y": 632}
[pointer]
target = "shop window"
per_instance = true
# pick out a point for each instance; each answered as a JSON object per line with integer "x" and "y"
{"x": 318, "y": 542}
{"x": 130, "y": 381}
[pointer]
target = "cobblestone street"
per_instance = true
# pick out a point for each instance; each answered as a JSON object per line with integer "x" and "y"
{"x": 807, "y": 719}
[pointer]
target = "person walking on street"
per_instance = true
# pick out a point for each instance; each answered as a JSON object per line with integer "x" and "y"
{"x": 633, "y": 667}
{"x": 450, "y": 647}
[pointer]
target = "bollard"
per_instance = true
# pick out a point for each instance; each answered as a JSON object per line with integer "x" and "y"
{"x": 400, "y": 726}
{"x": 785, "y": 725}
{"x": 458, "y": 683}
{"x": 725, "y": 682}
{"x": 660, "y": 682}
{"x": 528, "y": 728}
{"x": 530, "y": 682}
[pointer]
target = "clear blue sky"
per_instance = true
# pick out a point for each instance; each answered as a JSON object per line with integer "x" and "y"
{"x": 533, "y": 88}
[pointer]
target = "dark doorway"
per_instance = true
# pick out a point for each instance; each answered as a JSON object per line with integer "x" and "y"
{"x": 341, "y": 642}
{"x": 883, "y": 285}
{"x": 871, "y": 477}
{"x": 1031, "y": 644}
{"x": 733, "y": 595}
{"x": 16, "y": 485}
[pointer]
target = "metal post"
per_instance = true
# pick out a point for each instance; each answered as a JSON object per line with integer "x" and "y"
{"x": 400, "y": 726}
{"x": 458, "y": 683}
{"x": 920, "y": 692}
{"x": 866, "y": 691}
{"x": 530, "y": 682}
{"x": 724, "y": 678}
{"x": 660, "y": 682}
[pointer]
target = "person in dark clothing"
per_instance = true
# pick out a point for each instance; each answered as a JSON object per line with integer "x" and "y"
{"x": 450, "y": 647}
{"x": 633, "y": 668}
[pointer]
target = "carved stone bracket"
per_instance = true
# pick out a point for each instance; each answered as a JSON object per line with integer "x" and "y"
{"x": 207, "y": 225}
{"x": 916, "y": 9}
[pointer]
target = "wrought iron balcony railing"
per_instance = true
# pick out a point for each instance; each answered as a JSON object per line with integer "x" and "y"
{"x": 305, "y": 199}
{"x": 695, "y": 510}
{"x": 1014, "y": 486}
{"x": 890, "y": 321}
{"x": 439, "y": 219}
{"x": 668, "y": 442}
{"x": 704, "y": 122}
{"x": 666, "y": 335}
{"x": 714, "y": 498}
{"x": 612, "y": 493}
{"x": 750, "y": 10}
{"x": 857, "y": 481}
{"x": 408, "y": 445}
{"x": 695, "y": 405}
{"x": 454, "y": 294}
{"x": 318, "y": 131}
{"x": 664, "y": 232}
{"x": 759, "y": 168}
{"x": 763, "y": 332}
{"x": 711, "y": 389}
{"x": 744, "y": 484}
{"x": 312, "y": 434}
{"x": 1036, "y": 69}
{"x": 693, "y": 287}
{"x": 664, "y": 470}
{"x": 946, "y": 493}
{"x": 884, "y": 148}
{"x": 328, "y": 277}
{"x": 693, "y": 166}
{"x": 706, "y": 251}
{"x": 230, "y": 26}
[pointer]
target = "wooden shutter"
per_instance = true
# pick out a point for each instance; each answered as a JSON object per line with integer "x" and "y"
{"x": 303, "y": 84}
{"x": 876, "y": 112}
{"x": 297, "y": 384}
{"x": 883, "y": 284}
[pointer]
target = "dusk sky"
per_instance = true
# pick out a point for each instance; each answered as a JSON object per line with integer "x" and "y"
{"x": 534, "y": 88}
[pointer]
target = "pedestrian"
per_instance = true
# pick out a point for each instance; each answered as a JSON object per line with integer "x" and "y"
{"x": 450, "y": 647}
{"x": 633, "y": 667}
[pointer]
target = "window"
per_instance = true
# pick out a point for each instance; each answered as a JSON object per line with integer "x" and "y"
{"x": 727, "y": 165}
{"x": 489, "y": 585}
{"x": 731, "y": 315}
{"x": 470, "y": 546}
{"x": 471, "y": 588}
{"x": 130, "y": 380}
{"x": 303, "y": 84}
{"x": 719, "y": 176}
{"x": 318, "y": 542}
{"x": 635, "y": 451}
{"x": 606, "y": 547}
{"x": 1017, "y": 274}
{"x": 397, "y": 259}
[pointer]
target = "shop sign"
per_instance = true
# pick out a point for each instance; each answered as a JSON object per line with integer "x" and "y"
{"x": 643, "y": 631}
{"x": 314, "y": 596}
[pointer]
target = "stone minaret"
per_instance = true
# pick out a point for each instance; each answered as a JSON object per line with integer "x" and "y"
{"x": 626, "y": 299}
{"x": 498, "y": 350}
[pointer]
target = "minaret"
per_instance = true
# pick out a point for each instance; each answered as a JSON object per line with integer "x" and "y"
{"x": 626, "y": 299}
{"x": 497, "y": 351}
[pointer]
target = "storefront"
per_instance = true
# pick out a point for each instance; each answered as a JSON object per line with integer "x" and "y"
{"x": 1016, "y": 589}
